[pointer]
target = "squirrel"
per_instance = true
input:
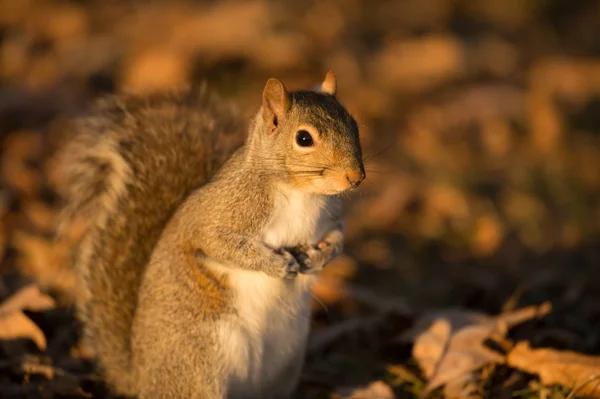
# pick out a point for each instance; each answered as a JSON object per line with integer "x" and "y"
{"x": 205, "y": 234}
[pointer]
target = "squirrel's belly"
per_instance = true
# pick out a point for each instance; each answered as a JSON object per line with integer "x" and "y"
{"x": 268, "y": 336}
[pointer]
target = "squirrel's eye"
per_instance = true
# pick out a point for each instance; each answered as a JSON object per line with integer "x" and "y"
{"x": 304, "y": 139}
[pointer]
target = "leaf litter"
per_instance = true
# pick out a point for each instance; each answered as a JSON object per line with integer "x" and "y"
{"x": 450, "y": 344}
{"x": 375, "y": 390}
{"x": 14, "y": 323}
{"x": 570, "y": 369}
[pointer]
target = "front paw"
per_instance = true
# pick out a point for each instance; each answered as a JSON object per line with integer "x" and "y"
{"x": 315, "y": 258}
{"x": 285, "y": 266}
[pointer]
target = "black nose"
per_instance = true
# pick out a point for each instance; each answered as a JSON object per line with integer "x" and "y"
{"x": 355, "y": 177}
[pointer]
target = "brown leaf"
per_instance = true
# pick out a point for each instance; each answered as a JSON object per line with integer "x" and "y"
{"x": 375, "y": 390}
{"x": 570, "y": 369}
{"x": 20, "y": 147}
{"x": 449, "y": 344}
{"x": 27, "y": 298}
{"x": 329, "y": 287}
{"x": 156, "y": 69}
{"x": 46, "y": 262}
{"x": 408, "y": 65}
{"x": 402, "y": 374}
{"x": 15, "y": 324}
{"x": 454, "y": 357}
{"x": 40, "y": 369}
{"x": 40, "y": 215}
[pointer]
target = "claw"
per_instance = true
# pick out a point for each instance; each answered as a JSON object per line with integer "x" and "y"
{"x": 323, "y": 245}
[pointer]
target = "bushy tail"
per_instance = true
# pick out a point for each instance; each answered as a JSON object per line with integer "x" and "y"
{"x": 129, "y": 164}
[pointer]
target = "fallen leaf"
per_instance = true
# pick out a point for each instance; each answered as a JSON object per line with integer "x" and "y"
{"x": 27, "y": 298}
{"x": 20, "y": 147}
{"x": 375, "y": 390}
{"x": 570, "y": 369}
{"x": 15, "y": 324}
{"x": 329, "y": 288}
{"x": 452, "y": 356}
{"x": 403, "y": 374}
{"x": 487, "y": 236}
{"x": 40, "y": 215}
{"x": 408, "y": 65}
{"x": 46, "y": 262}
{"x": 156, "y": 69}
{"x": 40, "y": 369}
{"x": 449, "y": 343}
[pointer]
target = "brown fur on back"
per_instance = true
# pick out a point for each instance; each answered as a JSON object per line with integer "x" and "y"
{"x": 132, "y": 161}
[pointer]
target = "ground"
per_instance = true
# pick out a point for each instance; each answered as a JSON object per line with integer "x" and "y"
{"x": 480, "y": 128}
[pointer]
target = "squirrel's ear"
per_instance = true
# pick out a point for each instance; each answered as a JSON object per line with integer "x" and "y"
{"x": 276, "y": 102}
{"x": 329, "y": 85}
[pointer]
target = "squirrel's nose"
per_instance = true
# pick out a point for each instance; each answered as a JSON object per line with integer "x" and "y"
{"x": 355, "y": 177}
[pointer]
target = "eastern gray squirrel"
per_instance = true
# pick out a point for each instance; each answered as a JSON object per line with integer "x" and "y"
{"x": 204, "y": 236}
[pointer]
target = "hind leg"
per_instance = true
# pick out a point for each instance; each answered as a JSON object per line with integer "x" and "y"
{"x": 179, "y": 373}
{"x": 181, "y": 387}
{"x": 173, "y": 357}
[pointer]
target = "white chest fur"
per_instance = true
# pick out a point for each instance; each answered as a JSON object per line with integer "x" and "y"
{"x": 297, "y": 219}
{"x": 265, "y": 346}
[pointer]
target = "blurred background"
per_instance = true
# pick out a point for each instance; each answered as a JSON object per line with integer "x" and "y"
{"x": 480, "y": 122}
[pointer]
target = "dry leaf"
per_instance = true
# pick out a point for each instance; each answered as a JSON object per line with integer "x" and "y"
{"x": 449, "y": 344}
{"x": 570, "y": 369}
{"x": 46, "y": 262}
{"x": 329, "y": 287}
{"x": 20, "y": 147}
{"x": 40, "y": 215}
{"x": 40, "y": 369}
{"x": 415, "y": 65}
{"x": 156, "y": 69}
{"x": 375, "y": 390}
{"x": 402, "y": 374}
{"x": 27, "y": 298}
{"x": 450, "y": 357}
{"x": 15, "y": 324}
{"x": 488, "y": 235}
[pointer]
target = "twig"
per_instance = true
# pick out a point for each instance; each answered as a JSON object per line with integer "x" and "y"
{"x": 321, "y": 339}
{"x": 376, "y": 301}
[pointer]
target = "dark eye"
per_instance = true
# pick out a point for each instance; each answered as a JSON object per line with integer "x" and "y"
{"x": 304, "y": 139}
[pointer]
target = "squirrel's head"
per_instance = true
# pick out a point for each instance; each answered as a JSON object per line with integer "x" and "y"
{"x": 310, "y": 137}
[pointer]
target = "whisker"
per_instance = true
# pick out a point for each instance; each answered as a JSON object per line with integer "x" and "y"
{"x": 320, "y": 302}
{"x": 306, "y": 179}
{"x": 314, "y": 167}
{"x": 282, "y": 160}
{"x": 375, "y": 171}
{"x": 324, "y": 156}
{"x": 377, "y": 152}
